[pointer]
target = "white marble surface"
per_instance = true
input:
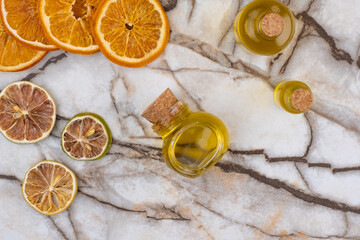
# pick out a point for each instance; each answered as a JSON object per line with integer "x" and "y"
{"x": 285, "y": 177}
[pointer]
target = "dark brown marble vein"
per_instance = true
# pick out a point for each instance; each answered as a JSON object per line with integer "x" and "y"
{"x": 319, "y": 165}
{"x": 193, "y": 3}
{"x": 168, "y": 213}
{"x": 337, "y": 53}
{"x": 58, "y": 229}
{"x": 204, "y": 49}
{"x": 302, "y": 176}
{"x": 59, "y": 117}
{"x": 71, "y": 222}
{"x": 183, "y": 88}
{"x": 9, "y": 177}
{"x": 230, "y": 27}
{"x": 110, "y": 204}
{"x": 231, "y": 167}
{"x": 299, "y": 37}
{"x": 346, "y": 169}
{"x": 50, "y": 61}
{"x": 247, "y": 152}
{"x": 285, "y": 159}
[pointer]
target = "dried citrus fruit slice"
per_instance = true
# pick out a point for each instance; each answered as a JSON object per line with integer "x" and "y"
{"x": 15, "y": 56}
{"x": 67, "y": 23}
{"x": 21, "y": 20}
{"x": 131, "y": 33}
{"x": 27, "y": 112}
{"x": 86, "y": 137}
{"x": 49, "y": 187}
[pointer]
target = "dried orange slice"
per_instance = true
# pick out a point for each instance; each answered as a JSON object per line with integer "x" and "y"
{"x": 27, "y": 112}
{"x": 49, "y": 187}
{"x": 131, "y": 33}
{"x": 15, "y": 56}
{"x": 86, "y": 137}
{"x": 67, "y": 23}
{"x": 21, "y": 20}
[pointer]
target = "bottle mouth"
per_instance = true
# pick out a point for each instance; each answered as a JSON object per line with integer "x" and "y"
{"x": 301, "y": 99}
{"x": 272, "y": 25}
{"x": 169, "y": 122}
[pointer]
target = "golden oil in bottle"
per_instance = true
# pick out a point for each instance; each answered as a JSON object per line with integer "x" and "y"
{"x": 264, "y": 27}
{"x": 192, "y": 141}
{"x": 293, "y": 96}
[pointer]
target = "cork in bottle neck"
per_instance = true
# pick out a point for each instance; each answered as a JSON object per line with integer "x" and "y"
{"x": 301, "y": 99}
{"x": 272, "y": 25}
{"x": 163, "y": 111}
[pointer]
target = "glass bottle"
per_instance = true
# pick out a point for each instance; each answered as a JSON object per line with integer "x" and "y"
{"x": 264, "y": 27}
{"x": 293, "y": 96}
{"x": 192, "y": 141}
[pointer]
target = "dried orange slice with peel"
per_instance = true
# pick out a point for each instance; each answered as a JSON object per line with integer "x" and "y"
{"x": 21, "y": 20}
{"x": 86, "y": 137}
{"x": 131, "y": 33}
{"x": 27, "y": 112}
{"x": 49, "y": 187}
{"x": 15, "y": 56}
{"x": 67, "y": 23}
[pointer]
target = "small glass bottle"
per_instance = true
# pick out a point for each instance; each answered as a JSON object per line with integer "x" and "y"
{"x": 264, "y": 27}
{"x": 293, "y": 96}
{"x": 192, "y": 141}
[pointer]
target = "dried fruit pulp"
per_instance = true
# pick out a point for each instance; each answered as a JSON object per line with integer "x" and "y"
{"x": 86, "y": 137}
{"x": 22, "y": 21}
{"x": 67, "y": 23}
{"x": 15, "y": 56}
{"x": 27, "y": 112}
{"x": 131, "y": 33}
{"x": 49, "y": 187}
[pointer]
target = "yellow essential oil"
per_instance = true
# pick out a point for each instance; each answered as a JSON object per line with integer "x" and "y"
{"x": 293, "y": 96}
{"x": 192, "y": 141}
{"x": 264, "y": 27}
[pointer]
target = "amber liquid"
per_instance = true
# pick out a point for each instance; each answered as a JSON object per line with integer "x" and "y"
{"x": 247, "y": 29}
{"x": 283, "y": 92}
{"x": 196, "y": 143}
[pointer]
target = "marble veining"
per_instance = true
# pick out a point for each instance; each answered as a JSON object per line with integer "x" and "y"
{"x": 285, "y": 176}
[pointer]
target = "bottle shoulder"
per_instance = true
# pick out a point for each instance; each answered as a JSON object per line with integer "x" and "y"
{"x": 205, "y": 120}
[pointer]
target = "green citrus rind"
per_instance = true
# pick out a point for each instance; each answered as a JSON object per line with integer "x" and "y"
{"x": 45, "y": 135}
{"x": 100, "y": 120}
{"x": 73, "y": 195}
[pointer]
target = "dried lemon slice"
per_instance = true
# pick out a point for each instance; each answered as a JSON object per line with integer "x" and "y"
{"x": 86, "y": 137}
{"x": 27, "y": 112}
{"x": 49, "y": 187}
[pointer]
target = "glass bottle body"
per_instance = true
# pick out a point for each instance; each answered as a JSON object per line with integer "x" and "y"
{"x": 248, "y": 32}
{"x": 193, "y": 142}
{"x": 283, "y": 92}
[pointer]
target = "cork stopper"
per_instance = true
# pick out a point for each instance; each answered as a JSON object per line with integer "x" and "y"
{"x": 272, "y": 24}
{"x": 301, "y": 99}
{"x": 162, "y": 109}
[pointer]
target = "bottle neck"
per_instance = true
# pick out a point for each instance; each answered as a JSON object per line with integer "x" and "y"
{"x": 178, "y": 113}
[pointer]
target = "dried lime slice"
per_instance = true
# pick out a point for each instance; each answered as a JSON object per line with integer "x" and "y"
{"x": 86, "y": 137}
{"x": 27, "y": 112}
{"x": 49, "y": 187}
